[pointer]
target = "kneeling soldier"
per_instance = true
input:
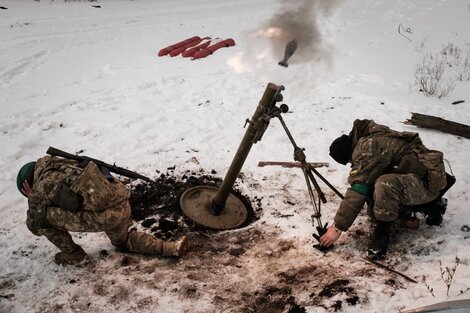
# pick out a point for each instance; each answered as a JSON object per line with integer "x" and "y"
{"x": 64, "y": 196}
{"x": 395, "y": 172}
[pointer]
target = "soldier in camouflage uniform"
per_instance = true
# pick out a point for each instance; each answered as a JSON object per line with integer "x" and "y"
{"x": 392, "y": 169}
{"x": 64, "y": 196}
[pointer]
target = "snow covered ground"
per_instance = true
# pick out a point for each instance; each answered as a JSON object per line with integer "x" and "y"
{"x": 79, "y": 77}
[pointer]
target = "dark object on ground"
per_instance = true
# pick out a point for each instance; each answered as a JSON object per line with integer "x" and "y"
{"x": 380, "y": 240}
{"x": 437, "y": 123}
{"x": 96, "y": 6}
{"x": 295, "y": 308}
{"x": 385, "y": 267}
{"x": 3, "y": 8}
{"x": 322, "y": 248}
{"x": 290, "y": 49}
{"x": 272, "y": 299}
{"x": 458, "y": 102}
{"x": 340, "y": 290}
{"x": 338, "y": 286}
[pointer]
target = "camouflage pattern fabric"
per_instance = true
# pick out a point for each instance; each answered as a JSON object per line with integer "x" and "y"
{"x": 392, "y": 191}
{"x": 49, "y": 173}
{"x": 105, "y": 208}
{"x": 114, "y": 221}
{"x": 97, "y": 191}
{"x": 377, "y": 150}
{"x": 144, "y": 243}
{"x": 349, "y": 209}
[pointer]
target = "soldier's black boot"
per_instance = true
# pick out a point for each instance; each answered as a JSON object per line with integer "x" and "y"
{"x": 435, "y": 209}
{"x": 380, "y": 240}
{"x": 434, "y": 213}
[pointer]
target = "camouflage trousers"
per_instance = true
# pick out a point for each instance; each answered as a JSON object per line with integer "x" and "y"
{"x": 114, "y": 221}
{"x": 393, "y": 191}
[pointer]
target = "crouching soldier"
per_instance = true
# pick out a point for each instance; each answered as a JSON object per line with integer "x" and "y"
{"x": 395, "y": 173}
{"x": 64, "y": 196}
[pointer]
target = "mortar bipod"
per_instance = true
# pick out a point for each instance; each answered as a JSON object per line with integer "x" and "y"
{"x": 308, "y": 172}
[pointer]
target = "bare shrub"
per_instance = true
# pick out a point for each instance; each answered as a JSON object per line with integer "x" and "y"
{"x": 458, "y": 61}
{"x": 429, "y": 76}
{"x": 447, "y": 276}
{"x": 463, "y": 71}
{"x": 452, "y": 53}
{"x": 430, "y": 289}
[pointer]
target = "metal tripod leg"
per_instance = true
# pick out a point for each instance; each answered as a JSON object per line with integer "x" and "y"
{"x": 326, "y": 182}
{"x": 310, "y": 179}
{"x": 316, "y": 209}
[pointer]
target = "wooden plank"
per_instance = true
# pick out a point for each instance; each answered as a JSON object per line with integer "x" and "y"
{"x": 440, "y": 124}
{"x": 291, "y": 164}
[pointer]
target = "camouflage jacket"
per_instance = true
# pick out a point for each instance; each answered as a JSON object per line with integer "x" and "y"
{"x": 378, "y": 150}
{"x": 52, "y": 173}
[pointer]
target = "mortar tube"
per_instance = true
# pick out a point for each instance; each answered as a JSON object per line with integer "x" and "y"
{"x": 218, "y": 203}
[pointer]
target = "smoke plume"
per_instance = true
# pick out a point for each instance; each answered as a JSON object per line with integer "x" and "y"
{"x": 302, "y": 20}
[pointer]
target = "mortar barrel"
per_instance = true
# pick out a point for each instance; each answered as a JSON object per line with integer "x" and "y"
{"x": 267, "y": 100}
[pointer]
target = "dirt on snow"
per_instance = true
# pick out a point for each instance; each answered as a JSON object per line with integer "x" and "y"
{"x": 251, "y": 269}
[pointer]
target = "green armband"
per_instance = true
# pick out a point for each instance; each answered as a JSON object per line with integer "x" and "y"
{"x": 361, "y": 188}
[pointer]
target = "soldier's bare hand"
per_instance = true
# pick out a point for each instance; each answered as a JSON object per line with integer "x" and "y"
{"x": 27, "y": 190}
{"x": 331, "y": 235}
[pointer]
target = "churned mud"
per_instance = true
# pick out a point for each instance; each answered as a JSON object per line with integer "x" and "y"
{"x": 255, "y": 268}
{"x": 219, "y": 262}
{"x": 156, "y": 205}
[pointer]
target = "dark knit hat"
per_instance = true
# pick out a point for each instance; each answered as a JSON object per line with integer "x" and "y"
{"x": 26, "y": 173}
{"x": 341, "y": 149}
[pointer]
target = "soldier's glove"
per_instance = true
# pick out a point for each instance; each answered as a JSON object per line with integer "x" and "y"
{"x": 321, "y": 231}
{"x": 67, "y": 199}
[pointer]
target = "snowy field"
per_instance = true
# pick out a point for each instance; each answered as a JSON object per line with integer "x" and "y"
{"x": 79, "y": 77}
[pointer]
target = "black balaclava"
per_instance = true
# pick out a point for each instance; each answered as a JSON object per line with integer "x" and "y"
{"x": 341, "y": 149}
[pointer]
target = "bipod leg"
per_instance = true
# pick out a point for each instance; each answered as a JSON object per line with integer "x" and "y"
{"x": 321, "y": 229}
{"x": 310, "y": 179}
{"x": 316, "y": 209}
{"x": 320, "y": 193}
{"x": 326, "y": 182}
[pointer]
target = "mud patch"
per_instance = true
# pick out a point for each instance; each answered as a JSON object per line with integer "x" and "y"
{"x": 271, "y": 299}
{"x": 339, "y": 288}
{"x": 225, "y": 260}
